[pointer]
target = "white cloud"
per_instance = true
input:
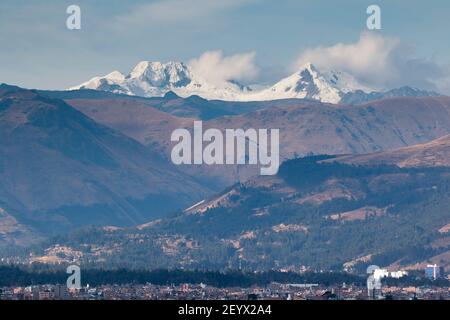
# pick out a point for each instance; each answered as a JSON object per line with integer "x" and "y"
{"x": 216, "y": 68}
{"x": 382, "y": 62}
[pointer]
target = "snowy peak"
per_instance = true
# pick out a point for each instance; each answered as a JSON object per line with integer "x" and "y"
{"x": 115, "y": 76}
{"x": 155, "y": 79}
{"x": 310, "y": 83}
{"x": 112, "y": 82}
{"x": 157, "y": 74}
{"x": 146, "y": 79}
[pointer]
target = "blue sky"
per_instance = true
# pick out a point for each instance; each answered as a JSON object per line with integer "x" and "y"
{"x": 38, "y": 51}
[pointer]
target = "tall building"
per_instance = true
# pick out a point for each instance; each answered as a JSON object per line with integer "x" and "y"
{"x": 432, "y": 272}
{"x": 61, "y": 292}
{"x": 35, "y": 293}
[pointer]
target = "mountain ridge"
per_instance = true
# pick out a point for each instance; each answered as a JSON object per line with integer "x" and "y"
{"x": 313, "y": 215}
{"x": 155, "y": 79}
{"x": 305, "y": 127}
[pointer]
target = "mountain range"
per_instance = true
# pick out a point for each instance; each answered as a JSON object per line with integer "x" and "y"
{"x": 318, "y": 213}
{"x": 155, "y": 79}
{"x": 71, "y": 159}
{"x": 306, "y": 127}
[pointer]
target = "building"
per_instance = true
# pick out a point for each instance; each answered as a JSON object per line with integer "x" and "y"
{"x": 61, "y": 292}
{"x": 35, "y": 293}
{"x": 398, "y": 274}
{"x": 433, "y": 272}
{"x": 45, "y": 295}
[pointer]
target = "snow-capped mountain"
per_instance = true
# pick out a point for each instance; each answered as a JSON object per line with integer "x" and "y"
{"x": 155, "y": 79}
{"x": 310, "y": 83}
{"x": 112, "y": 82}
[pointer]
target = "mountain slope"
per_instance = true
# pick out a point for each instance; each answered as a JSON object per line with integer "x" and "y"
{"x": 60, "y": 169}
{"x": 340, "y": 129}
{"x": 360, "y": 97}
{"x": 314, "y": 214}
{"x": 305, "y": 127}
{"x": 435, "y": 153}
{"x": 13, "y": 233}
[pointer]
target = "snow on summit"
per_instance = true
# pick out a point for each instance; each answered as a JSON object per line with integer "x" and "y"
{"x": 155, "y": 79}
{"x": 309, "y": 83}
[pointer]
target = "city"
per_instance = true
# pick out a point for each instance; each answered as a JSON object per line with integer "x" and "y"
{"x": 379, "y": 287}
{"x": 274, "y": 291}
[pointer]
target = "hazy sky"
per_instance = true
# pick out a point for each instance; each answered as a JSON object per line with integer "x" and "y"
{"x": 272, "y": 36}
